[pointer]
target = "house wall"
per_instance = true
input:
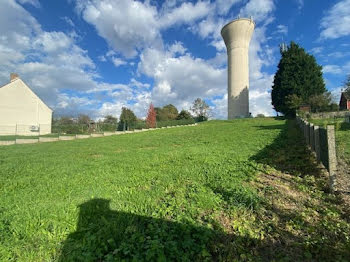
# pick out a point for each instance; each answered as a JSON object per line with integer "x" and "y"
{"x": 20, "y": 109}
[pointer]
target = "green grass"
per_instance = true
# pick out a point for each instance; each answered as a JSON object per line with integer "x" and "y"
{"x": 14, "y": 137}
{"x": 327, "y": 121}
{"x": 342, "y": 135}
{"x": 224, "y": 190}
{"x": 343, "y": 140}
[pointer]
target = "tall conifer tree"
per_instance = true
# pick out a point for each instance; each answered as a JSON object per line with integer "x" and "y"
{"x": 297, "y": 79}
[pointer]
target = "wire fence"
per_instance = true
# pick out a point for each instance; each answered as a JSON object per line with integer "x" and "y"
{"x": 11, "y": 132}
{"x": 36, "y": 131}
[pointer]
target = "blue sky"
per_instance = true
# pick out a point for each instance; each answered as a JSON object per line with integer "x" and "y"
{"x": 96, "y": 56}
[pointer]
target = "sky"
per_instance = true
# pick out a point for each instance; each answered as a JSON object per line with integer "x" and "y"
{"x": 96, "y": 56}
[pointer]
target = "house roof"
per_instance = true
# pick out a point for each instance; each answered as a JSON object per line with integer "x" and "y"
{"x": 29, "y": 90}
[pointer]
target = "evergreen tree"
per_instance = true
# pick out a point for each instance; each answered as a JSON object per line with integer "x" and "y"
{"x": 297, "y": 79}
{"x": 127, "y": 119}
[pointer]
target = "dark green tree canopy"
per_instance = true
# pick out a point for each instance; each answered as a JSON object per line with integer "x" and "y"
{"x": 168, "y": 112}
{"x": 109, "y": 119}
{"x": 184, "y": 114}
{"x": 127, "y": 119}
{"x": 298, "y": 78}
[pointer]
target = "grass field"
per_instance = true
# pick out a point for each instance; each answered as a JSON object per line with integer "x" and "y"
{"x": 243, "y": 190}
{"x": 342, "y": 135}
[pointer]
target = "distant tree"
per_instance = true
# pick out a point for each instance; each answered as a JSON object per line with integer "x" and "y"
{"x": 64, "y": 120}
{"x": 184, "y": 114}
{"x": 168, "y": 112}
{"x": 321, "y": 102}
{"x": 160, "y": 115}
{"x": 293, "y": 101}
{"x": 333, "y": 107}
{"x": 347, "y": 85}
{"x": 127, "y": 119}
{"x": 298, "y": 74}
{"x": 201, "y": 110}
{"x": 109, "y": 123}
{"x": 151, "y": 117}
{"x": 260, "y": 115}
{"x": 109, "y": 119}
{"x": 84, "y": 119}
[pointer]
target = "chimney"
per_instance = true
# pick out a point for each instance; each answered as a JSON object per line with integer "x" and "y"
{"x": 13, "y": 77}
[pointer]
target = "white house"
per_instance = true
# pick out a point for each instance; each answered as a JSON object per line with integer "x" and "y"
{"x": 22, "y": 112}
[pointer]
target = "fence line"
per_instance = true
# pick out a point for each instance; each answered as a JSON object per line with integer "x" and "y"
{"x": 322, "y": 142}
{"x": 73, "y": 137}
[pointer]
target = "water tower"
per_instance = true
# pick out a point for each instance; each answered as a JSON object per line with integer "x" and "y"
{"x": 237, "y": 35}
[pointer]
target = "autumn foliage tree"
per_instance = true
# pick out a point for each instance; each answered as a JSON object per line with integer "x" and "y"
{"x": 151, "y": 117}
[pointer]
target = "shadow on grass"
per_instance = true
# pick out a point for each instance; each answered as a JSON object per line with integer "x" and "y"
{"x": 344, "y": 126}
{"x": 300, "y": 213}
{"x": 270, "y": 127}
{"x": 106, "y": 235}
{"x": 288, "y": 152}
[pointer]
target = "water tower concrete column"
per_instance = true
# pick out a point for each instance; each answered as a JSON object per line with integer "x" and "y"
{"x": 237, "y": 35}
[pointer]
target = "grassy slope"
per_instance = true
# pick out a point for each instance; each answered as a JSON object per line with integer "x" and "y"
{"x": 342, "y": 134}
{"x": 224, "y": 190}
{"x": 343, "y": 139}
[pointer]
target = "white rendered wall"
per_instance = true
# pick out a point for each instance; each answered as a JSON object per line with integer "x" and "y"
{"x": 20, "y": 108}
{"x": 237, "y": 35}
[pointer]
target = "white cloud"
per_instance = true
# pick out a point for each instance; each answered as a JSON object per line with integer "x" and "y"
{"x": 259, "y": 10}
{"x": 186, "y": 13}
{"x": 42, "y": 59}
{"x": 220, "y": 107}
{"x": 126, "y": 25}
{"x": 68, "y": 21}
{"x": 31, "y": 2}
{"x": 224, "y": 6}
{"x": 336, "y": 69}
{"x": 130, "y": 26}
{"x": 118, "y": 62}
{"x": 102, "y": 58}
{"x": 282, "y": 29}
{"x": 337, "y": 21}
{"x": 317, "y": 50}
{"x": 332, "y": 69}
{"x": 336, "y": 93}
{"x": 181, "y": 79}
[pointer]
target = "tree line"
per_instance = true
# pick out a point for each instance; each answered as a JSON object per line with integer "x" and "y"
{"x": 156, "y": 117}
{"x": 167, "y": 113}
